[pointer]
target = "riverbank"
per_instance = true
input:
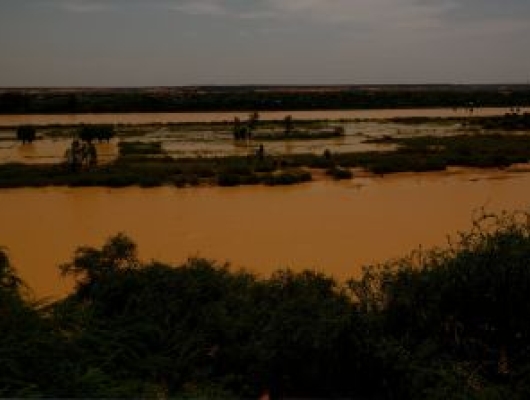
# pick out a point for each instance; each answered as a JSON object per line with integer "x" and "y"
{"x": 335, "y": 227}
{"x": 452, "y": 320}
{"x": 13, "y": 120}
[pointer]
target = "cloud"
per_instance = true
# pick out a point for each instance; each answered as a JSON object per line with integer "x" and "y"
{"x": 83, "y": 6}
{"x": 368, "y": 12}
{"x": 399, "y": 13}
{"x": 201, "y": 7}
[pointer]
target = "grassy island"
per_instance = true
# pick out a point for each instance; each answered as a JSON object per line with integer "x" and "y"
{"x": 145, "y": 164}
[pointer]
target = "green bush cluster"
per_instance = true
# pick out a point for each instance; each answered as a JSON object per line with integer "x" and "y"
{"x": 89, "y": 133}
{"x": 450, "y": 323}
{"x": 299, "y": 134}
{"x": 339, "y": 173}
{"x": 26, "y": 133}
{"x": 140, "y": 148}
{"x": 508, "y": 122}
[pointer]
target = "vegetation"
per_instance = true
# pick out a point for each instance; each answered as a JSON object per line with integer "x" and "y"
{"x": 450, "y": 323}
{"x": 144, "y": 164}
{"x": 508, "y": 122}
{"x": 430, "y": 153}
{"x": 339, "y": 173}
{"x": 245, "y": 131}
{"x": 26, "y": 133}
{"x": 299, "y": 134}
{"x": 140, "y": 148}
{"x": 260, "y": 98}
{"x": 89, "y": 133}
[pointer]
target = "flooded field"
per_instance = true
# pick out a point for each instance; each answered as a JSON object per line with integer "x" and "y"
{"x": 165, "y": 118}
{"x": 204, "y": 142}
{"x": 48, "y": 151}
{"x": 327, "y": 226}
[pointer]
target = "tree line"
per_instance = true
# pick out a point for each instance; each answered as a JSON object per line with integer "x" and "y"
{"x": 249, "y": 98}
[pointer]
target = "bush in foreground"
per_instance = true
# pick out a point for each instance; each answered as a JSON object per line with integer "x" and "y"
{"x": 450, "y": 323}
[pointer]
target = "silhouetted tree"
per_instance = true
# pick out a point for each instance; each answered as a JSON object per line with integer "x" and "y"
{"x": 26, "y": 133}
{"x": 88, "y": 133}
{"x": 288, "y": 124}
{"x": 253, "y": 120}
{"x": 237, "y": 128}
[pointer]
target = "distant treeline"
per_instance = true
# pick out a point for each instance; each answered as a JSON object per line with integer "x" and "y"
{"x": 448, "y": 324}
{"x": 21, "y": 101}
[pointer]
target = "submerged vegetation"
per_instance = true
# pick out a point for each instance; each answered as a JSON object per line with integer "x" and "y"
{"x": 145, "y": 164}
{"x": 140, "y": 148}
{"x": 446, "y": 324}
{"x": 509, "y": 122}
{"x": 299, "y": 134}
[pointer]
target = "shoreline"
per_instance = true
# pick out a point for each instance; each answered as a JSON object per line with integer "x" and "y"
{"x": 220, "y": 223}
{"x": 318, "y": 176}
{"x": 161, "y": 118}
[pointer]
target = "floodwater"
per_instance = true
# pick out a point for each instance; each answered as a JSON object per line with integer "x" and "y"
{"x": 9, "y": 120}
{"x": 334, "y": 227}
{"x": 181, "y": 142}
{"x": 48, "y": 151}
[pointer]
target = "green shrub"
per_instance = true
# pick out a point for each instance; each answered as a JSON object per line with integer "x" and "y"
{"x": 140, "y": 148}
{"x": 287, "y": 178}
{"x": 339, "y": 173}
{"x": 227, "y": 179}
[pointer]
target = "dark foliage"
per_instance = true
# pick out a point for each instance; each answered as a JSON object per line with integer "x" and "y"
{"x": 140, "y": 148}
{"x": 144, "y": 164}
{"x": 451, "y": 323}
{"x": 445, "y": 324}
{"x": 255, "y": 98}
{"x": 26, "y": 133}
{"x": 89, "y": 133}
{"x": 339, "y": 173}
{"x": 509, "y": 122}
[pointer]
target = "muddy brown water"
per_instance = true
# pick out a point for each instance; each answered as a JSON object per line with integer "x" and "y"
{"x": 331, "y": 227}
{"x": 164, "y": 118}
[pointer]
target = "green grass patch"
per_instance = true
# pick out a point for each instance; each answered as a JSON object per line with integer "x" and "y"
{"x": 140, "y": 148}
{"x": 300, "y": 134}
{"x": 339, "y": 173}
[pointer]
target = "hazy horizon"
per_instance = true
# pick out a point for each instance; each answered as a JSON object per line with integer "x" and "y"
{"x": 162, "y": 43}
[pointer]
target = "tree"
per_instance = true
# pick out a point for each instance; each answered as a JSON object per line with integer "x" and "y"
{"x": 88, "y": 133}
{"x": 252, "y": 123}
{"x": 90, "y": 265}
{"x": 253, "y": 120}
{"x": 26, "y": 133}
{"x": 237, "y": 128}
{"x": 288, "y": 124}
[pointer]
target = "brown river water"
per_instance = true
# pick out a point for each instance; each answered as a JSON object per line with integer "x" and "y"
{"x": 164, "y": 118}
{"x": 334, "y": 227}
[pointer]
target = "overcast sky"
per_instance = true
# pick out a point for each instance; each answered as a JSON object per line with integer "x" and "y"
{"x": 187, "y": 42}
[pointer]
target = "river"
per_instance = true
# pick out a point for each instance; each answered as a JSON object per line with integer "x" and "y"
{"x": 9, "y": 120}
{"x": 335, "y": 227}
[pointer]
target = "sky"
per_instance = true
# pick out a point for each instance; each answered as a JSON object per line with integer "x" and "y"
{"x": 229, "y": 42}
